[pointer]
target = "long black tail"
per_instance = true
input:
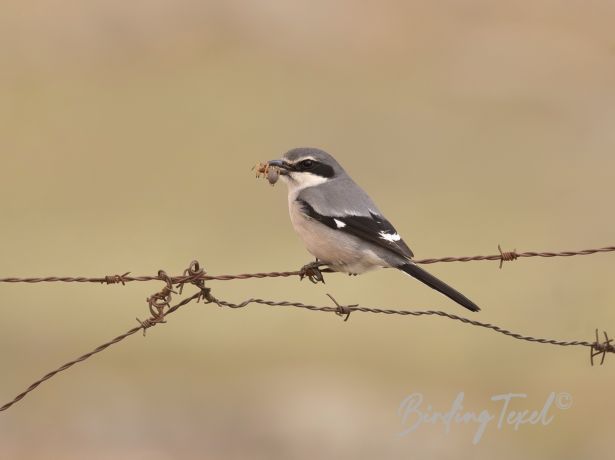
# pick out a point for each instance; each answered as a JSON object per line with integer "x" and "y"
{"x": 417, "y": 272}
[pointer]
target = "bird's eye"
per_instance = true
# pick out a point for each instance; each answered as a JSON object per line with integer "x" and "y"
{"x": 306, "y": 164}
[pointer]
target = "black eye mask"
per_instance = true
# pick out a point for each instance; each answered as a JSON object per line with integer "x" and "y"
{"x": 314, "y": 167}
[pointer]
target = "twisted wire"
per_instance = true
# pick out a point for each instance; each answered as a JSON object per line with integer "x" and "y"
{"x": 160, "y": 307}
{"x": 503, "y": 256}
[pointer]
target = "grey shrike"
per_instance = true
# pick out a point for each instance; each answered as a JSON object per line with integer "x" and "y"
{"x": 340, "y": 224}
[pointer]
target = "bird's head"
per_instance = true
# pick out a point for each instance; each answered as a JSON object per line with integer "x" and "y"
{"x": 306, "y": 167}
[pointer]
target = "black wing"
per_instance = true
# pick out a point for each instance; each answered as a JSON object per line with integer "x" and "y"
{"x": 373, "y": 228}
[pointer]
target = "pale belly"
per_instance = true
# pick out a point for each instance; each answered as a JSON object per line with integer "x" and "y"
{"x": 333, "y": 247}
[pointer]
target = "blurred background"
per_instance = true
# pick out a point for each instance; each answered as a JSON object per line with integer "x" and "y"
{"x": 128, "y": 130}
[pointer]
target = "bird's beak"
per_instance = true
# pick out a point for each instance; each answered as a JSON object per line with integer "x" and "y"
{"x": 279, "y": 164}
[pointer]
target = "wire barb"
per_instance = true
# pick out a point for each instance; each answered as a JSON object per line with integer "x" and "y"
{"x": 157, "y": 303}
{"x": 116, "y": 279}
{"x": 601, "y": 348}
{"x": 342, "y": 310}
{"x": 507, "y": 256}
{"x": 149, "y": 322}
{"x": 194, "y": 275}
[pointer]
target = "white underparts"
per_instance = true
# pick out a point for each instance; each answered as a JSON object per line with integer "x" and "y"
{"x": 392, "y": 237}
{"x": 301, "y": 180}
{"x": 339, "y": 223}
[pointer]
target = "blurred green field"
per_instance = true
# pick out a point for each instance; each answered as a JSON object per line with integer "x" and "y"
{"x": 128, "y": 134}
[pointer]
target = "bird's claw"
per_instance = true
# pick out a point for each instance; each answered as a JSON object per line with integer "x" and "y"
{"x": 312, "y": 272}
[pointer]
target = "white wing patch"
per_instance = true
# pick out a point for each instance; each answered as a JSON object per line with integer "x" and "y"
{"x": 392, "y": 237}
{"x": 373, "y": 229}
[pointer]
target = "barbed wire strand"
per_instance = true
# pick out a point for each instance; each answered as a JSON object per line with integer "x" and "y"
{"x": 160, "y": 308}
{"x": 142, "y": 327}
{"x": 503, "y": 256}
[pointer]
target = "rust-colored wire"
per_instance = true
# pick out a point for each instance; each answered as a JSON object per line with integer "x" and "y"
{"x": 503, "y": 256}
{"x": 98, "y": 349}
{"x": 160, "y": 307}
{"x": 597, "y": 348}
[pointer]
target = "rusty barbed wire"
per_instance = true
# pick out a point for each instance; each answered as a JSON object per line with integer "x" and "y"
{"x": 599, "y": 347}
{"x": 159, "y": 305}
{"x": 142, "y": 326}
{"x": 503, "y": 256}
{"x": 506, "y": 256}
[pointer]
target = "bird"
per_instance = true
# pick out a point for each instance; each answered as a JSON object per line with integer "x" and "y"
{"x": 341, "y": 226}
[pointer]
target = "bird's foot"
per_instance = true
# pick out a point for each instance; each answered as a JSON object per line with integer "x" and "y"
{"x": 312, "y": 272}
